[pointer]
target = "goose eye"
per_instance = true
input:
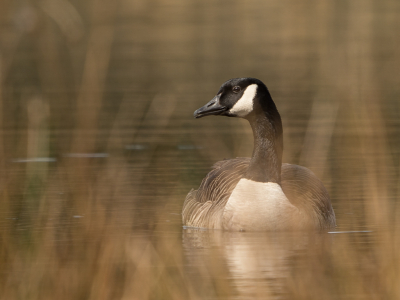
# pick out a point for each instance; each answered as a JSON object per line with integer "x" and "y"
{"x": 236, "y": 89}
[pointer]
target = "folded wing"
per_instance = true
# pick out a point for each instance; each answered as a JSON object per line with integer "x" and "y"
{"x": 204, "y": 207}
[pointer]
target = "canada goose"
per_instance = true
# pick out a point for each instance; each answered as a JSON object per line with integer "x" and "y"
{"x": 257, "y": 193}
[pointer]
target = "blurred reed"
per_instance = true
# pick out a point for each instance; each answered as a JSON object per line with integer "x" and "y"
{"x": 98, "y": 148}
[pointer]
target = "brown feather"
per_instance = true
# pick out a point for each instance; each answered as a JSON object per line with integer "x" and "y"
{"x": 204, "y": 207}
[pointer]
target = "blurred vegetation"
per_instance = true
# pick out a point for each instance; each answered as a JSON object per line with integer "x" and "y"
{"x": 98, "y": 147}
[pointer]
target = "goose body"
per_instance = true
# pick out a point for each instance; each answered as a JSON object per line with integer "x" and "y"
{"x": 257, "y": 193}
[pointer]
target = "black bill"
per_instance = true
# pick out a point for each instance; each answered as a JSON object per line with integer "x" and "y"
{"x": 211, "y": 108}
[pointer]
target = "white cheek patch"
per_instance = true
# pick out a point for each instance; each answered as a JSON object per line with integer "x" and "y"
{"x": 245, "y": 104}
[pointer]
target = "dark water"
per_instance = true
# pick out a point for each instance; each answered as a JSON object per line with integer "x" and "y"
{"x": 98, "y": 146}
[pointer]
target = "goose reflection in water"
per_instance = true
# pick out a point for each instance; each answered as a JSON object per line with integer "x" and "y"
{"x": 258, "y": 263}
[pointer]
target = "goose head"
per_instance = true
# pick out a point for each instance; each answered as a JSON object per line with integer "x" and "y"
{"x": 239, "y": 97}
{"x": 250, "y": 99}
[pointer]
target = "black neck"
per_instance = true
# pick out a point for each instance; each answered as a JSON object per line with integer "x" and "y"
{"x": 266, "y": 161}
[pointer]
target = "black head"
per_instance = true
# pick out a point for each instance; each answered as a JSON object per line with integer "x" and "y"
{"x": 238, "y": 97}
{"x": 249, "y": 98}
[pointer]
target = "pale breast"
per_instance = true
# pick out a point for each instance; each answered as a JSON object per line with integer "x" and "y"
{"x": 258, "y": 206}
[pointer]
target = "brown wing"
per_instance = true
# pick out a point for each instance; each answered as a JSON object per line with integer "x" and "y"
{"x": 204, "y": 207}
{"x": 305, "y": 191}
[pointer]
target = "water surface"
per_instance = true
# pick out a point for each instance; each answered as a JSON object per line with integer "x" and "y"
{"x": 98, "y": 147}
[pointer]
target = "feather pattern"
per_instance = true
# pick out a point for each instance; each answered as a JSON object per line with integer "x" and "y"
{"x": 204, "y": 207}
